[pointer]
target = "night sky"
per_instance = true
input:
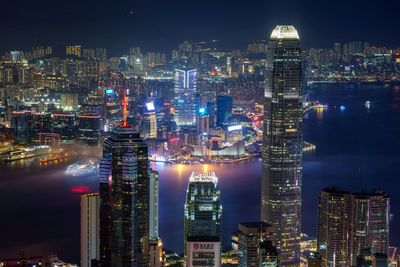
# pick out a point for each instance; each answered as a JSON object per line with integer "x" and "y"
{"x": 161, "y": 24}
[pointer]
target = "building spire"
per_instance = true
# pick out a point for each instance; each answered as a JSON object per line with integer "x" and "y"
{"x": 125, "y": 103}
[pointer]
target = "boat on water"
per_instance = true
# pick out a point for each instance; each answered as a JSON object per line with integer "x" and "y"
{"x": 367, "y": 104}
{"x": 25, "y": 153}
{"x": 79, "y": 169}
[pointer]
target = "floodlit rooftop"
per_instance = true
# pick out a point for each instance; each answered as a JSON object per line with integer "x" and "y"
{"x": 203, "y": 177}
{"x": 284, "y": 32}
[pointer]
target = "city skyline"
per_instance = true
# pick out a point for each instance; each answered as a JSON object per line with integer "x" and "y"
{"x": 59, "y": 50}
{"x": 138, "y": 140}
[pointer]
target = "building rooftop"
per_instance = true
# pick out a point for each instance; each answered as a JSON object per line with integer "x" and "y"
{"x": 255, "y": 224}
{"x": 284, "y": 32}
{"x": 373, "y": 193}
{"x": 203, "y": 177}
{"x": 334, "y": 191}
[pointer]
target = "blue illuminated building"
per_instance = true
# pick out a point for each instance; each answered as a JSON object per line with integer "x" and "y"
{"x": 185, "y": 97}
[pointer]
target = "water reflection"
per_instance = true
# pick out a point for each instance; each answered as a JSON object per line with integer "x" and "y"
{"x": 40, "y": 206}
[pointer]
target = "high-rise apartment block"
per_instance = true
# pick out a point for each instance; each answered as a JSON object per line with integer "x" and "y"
{"x": 351, "y": 224}
{"x": 75, "y": 50}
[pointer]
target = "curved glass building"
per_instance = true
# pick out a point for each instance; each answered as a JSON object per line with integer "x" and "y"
{"x": 283, "y": 143}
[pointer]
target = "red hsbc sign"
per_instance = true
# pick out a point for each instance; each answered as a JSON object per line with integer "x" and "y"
{"x": 203, "y": 246}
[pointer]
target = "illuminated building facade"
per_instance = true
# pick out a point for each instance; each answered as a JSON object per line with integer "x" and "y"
{"x": 88, "y": 131}
{"x": 150, "y": 121}
{"x": 283, "y": 143}
{"x": 112, "y": 109}
{"x": 64, "y": 125}
{"x": 69, "y": 101}
{"x": 75, "y": 50}
{"x": 125, "y": 197}
{"x": 332, "y": 235}
{"x": 369, "y": 223}
{"x": 203, "y": 209}
{"x": 268, "y": 254}
{"x": 202, "y": 121}
{"x": 41, "y": 123}
{"x": 90, "y": 229}
{"x": 21, "y": 124}
{"x": 156, "y": 253}
{"x": 203, "y": 252}
{"x": 228, "y": 66}
{"x": 185, "y": 97}
{"x": 251, "y": 237}
{"x": 153, "y": 207}
{"x": 349, "y": 224}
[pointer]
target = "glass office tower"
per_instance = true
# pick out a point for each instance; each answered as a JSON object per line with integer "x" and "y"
{"x": 203, "y": 209}
{"x": 185, "y": 97}
{"x": 282, "y": 143}
{"x": 333, "y": 230}
{"x": 369, "y": 223}
{"x": 125, "y": 197}
{"x": 224, "y": 109}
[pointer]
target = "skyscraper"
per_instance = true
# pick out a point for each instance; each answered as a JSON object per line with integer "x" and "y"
{"x": 22, "y": 125}
{"x": 203, "y": 210}
{"x": 253, "y": 248}
{"x": 283, "y": 143}
{"x": 154, "y": 178}
{"x": 89, "y": 129}
{"x": 155, "y": 244}
{"x": 369, "y": 223}
{"x": 41, "y": 123}
{"x": 125, "y": 197}
{"x": 185, "y": 97}
{"x": 90, "y": 219}
{"x": 224, "y": 109}
{"x": 150, "y": 121}
{"x": 203, "y": 121}
{"x": 332, "y": 234}
{"x": 64, "y": 125}
{"x": 352, "y": 226}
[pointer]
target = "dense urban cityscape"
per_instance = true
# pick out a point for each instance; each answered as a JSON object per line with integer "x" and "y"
{"x": 126, "y": 132}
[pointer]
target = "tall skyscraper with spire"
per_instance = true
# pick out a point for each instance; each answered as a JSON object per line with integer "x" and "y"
{"x": 125, "y": 198}
{"x": 283, "y": 143}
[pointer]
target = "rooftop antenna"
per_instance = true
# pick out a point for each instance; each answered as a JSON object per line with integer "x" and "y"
{"x": 125, "y": 112}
